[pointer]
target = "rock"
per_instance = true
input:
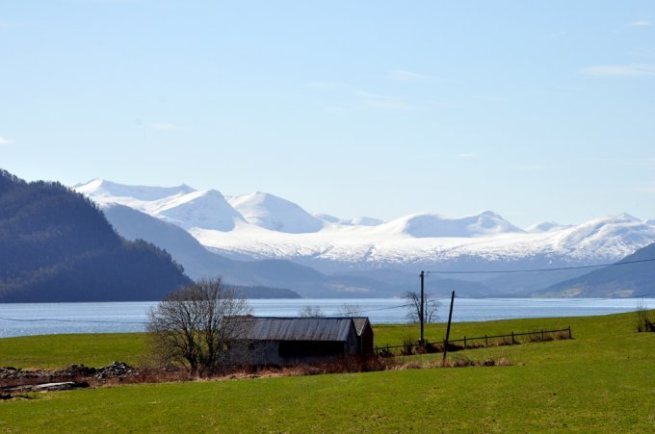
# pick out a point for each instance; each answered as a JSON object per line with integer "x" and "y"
{"x": 115, "y": 370}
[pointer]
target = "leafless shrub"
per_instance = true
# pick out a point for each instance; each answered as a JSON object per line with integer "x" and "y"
{"x": 562, "y": 335}
{"x": 310, "y": 312}
{"x": 350, "y": 310}
{"x": 431, "y": 347}
{"x": 540, "y": 337}
{"x": 409, "y": 345}
{"x": 507, "y": 340}
{"x": 645, "y": 321}
{"x": 195, "y": 326}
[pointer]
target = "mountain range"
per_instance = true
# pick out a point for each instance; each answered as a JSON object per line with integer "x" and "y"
{"x": 56, "y": 245}
{"x": 263, "y": 239}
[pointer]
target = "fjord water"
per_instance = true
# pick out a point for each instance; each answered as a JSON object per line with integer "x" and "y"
{"x": 22, "y": 319}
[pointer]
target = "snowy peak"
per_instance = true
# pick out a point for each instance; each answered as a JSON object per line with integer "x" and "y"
{"x": 100, "y": 188}
{"x": 436, "y": 226}
{"x": 609, "y": 236}
{"x": 200, "y": 209}
{"x": 274, "y": 213}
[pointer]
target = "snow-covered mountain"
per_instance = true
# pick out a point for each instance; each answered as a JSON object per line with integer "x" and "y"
{"x": 100, "y": 189}
{"x": 199, "y": 209}
{"x": 264, "y": 226}
{"x": 274, "y": 213}
{"x": 181, "y": 205}
{"x": 436, "y": 226}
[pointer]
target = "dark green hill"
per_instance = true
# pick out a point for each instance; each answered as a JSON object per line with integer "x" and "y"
{"x": 55, "y": 245}
{"x": 623, "y": 279}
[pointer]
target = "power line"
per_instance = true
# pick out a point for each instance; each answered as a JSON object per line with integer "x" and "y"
{"x": 539, "y": 270}
{"x": 382, "y": 308}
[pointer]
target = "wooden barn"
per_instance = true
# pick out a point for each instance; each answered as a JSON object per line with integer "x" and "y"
{"x": 284, "y": 341}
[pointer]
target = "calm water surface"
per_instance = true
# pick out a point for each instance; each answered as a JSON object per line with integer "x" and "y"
{"x": 20, "y": 319}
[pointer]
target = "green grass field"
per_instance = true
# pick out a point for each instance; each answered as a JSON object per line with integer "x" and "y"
{"x": 602, "y": 381}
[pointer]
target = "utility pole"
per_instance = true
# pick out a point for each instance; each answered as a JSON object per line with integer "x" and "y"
{"x": 422, "y": 309}
{"x": 450, "y": 319}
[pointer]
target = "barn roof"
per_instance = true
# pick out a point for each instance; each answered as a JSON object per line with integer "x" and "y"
{"x": 298, "y": 329}
{"x": 360, "y": 323}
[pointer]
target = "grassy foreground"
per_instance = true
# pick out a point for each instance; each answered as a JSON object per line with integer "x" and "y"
{"x": 602, "y": 381}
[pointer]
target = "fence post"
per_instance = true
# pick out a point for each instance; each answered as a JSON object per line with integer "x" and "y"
{"x": 464, "y": 342}
{"x": 486, "y": 341}
{"x": 570, "y": 335}
{"x": 513, "y": 342}
{"x": 542, "y": 334}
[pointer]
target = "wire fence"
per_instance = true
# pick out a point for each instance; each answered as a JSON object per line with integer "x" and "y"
{"x": 473, "y": 342}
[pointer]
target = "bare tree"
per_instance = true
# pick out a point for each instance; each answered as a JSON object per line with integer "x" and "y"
{"x": 350, "y": 310}
{"x": 195, "y": 325}
{"x": 310, "y": 312}
{"x": 414, "y": 307}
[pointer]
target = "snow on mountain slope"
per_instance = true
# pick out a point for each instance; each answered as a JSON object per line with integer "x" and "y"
{"x": 181, "y": 205}
{"x": 611, "y": 237}
{"x": 200, "y": 209}
{"x": 363, "y": 221}
{"x": 100, "y": 188}
{"x": 433, "y": 225}
{"x": 264, "y": 226}
{"x": 599, "y": 241}
{"x": 546, "y": 227}
{"x": 274, "y": 213}
{"x": 357, "y": 221}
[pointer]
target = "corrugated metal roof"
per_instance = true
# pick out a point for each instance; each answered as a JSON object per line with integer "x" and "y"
{"x": 297, "y": 329}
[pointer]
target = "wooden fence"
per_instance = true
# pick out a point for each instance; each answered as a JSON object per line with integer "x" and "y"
{"x": 468, "y": 342}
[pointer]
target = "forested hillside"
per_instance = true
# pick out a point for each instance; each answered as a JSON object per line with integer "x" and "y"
{"x": 633, "y": 276}
{"x": 55, "y": 245}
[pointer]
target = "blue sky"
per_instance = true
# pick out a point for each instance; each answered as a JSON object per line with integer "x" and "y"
{"x": 536, "y": 110}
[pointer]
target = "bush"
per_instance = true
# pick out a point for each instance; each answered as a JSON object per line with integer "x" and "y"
{"x": 645, "y": 322}
{"x": 408, "y": 347}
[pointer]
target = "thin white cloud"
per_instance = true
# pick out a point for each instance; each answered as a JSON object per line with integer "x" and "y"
{"x": 627, "y": 70}
{"x": 468, "y": 155}
{"x": 164, "y": 126}
{"x": 640, "y": 23}
{"x": 404, "y": 75}
{"x": 4, "y": 141}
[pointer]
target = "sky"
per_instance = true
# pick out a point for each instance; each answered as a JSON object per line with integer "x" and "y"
{"x": 535, "y": 110}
